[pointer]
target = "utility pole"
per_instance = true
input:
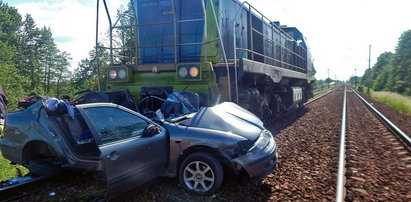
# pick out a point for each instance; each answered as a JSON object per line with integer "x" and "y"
{"x": 96, "y": 55}
{"x": 335, "y": 79}
{"x": 328, "y": 78}
{"x": 369, "y": 57}
{"x": 355, "y": 84}
{"x": 369, "y": 67}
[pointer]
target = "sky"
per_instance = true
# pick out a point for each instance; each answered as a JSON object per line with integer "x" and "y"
{"x": 339, "y": 32}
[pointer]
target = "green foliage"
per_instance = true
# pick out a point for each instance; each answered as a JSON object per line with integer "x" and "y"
{"x": 12, "y": 84}
{"x": 29, "y": 58}
{"x": 8, "y": 171}
{"x": 392, "y": 72}
{"x": 10, "y": 79}
{"x": 382, "y": 79}
{"x": 354, "y": 80}
{"x": 321, "y": 85}
{"x": 30, "y": 61}
{"x": 402, "y": 64}
{"x": 85, "y": 76}
{"x": 124, "y": 36}
{"x": 400, "y": 102}
{"x": 328, "y": 80}
{"x": 10, "y": 23}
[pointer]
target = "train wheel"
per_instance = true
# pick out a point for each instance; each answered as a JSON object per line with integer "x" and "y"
{"x": 276, "y": 106}
{"x": 265, "y": 110}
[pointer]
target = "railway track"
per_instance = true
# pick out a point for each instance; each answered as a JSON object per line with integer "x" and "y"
{"x": 375, "y": 163}
{"x": 321, "y": 94}
{"x": 17, "y": 191}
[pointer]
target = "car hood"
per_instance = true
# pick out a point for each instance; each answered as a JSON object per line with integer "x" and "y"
{"x": 228, "y": 117}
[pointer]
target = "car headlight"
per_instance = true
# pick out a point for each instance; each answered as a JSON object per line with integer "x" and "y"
{"x": 262, "y": 141}
{"x": 112, "y": 74}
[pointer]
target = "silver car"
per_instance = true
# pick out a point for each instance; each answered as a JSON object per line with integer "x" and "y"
{"x": 131, "y": 149}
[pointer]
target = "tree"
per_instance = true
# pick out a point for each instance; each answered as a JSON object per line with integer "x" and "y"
{"x": 86, "y": 74}
{"x": 29, "y": 58}
{"x": 402, "y": 64}
{"x": 47, "y": 54}
{"x": 11, "y": 81}
{"x": 381, "y": 71}
{"x": 392, "y": 72}
{"x": 29, "y": 61}
{"x": 10, "y": 23}
{"x": 124, "y": 36}
{"x": 63, "y": 75}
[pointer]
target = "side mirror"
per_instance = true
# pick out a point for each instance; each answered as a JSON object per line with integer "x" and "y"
{"x": 151, "y": 130}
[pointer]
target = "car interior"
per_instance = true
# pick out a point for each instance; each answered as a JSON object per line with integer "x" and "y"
{"x": 76, "y": 132}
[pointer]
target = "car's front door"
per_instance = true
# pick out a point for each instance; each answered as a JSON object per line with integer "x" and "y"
{"x": 129, "y": 156}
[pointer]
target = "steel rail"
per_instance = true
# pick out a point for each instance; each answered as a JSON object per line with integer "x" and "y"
{"x": 326, "y": 93}
{"x": 393, "y": 127}
{"x": 16, "y": 191}
{"x": 341, "y": 159}
{"x": 340, "y": 195}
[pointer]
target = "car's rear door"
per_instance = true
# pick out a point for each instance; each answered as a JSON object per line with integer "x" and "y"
{"x": 129, "y": 158}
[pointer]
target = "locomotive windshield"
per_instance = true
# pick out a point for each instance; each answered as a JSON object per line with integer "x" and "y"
{"x": 169, "y": 31}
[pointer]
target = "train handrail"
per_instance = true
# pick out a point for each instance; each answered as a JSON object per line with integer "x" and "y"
{"x": 224, "y": 55}
{"x": 136, "y": 25}
{"x": 283, "y": 64}
{"x": 268, "y": 57}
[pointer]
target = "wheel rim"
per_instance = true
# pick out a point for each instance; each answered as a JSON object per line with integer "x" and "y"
{"x": 199, "y": 176}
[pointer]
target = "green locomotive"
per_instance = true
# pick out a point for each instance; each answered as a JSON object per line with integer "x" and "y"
{"x": 224, "y": 50}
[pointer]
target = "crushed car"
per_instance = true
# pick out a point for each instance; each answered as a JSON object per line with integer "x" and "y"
{"x": 131, "y": 149}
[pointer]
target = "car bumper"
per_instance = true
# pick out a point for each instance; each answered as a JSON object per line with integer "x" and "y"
{"x": 259, "y": 164}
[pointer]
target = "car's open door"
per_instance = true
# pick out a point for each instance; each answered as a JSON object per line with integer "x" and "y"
{"x": 133, "y": 149}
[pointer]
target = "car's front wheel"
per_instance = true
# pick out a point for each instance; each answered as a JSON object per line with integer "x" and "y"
{"x": 201, "y": 173}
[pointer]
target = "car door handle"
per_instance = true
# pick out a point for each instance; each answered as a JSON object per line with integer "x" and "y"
{"x": 113, "y": 155}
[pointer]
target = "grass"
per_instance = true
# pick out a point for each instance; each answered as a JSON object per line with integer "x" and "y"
{"x": 400, "y": 102}
{"x": 321, "y": 87}
{"x": 8, "y": 171}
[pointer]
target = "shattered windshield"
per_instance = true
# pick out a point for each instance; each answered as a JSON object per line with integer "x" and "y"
{"x": 179, "y": 104}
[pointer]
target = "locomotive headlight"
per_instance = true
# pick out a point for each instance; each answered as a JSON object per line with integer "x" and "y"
{"x": 189, "y": 72}
{"x": 122, "y": 74}
{"x": 194, "y": 71}
{"x": 182, "y": 72}
{"x": 113, "y": 74}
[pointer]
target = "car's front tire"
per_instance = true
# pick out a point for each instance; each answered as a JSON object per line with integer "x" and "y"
{"x": 201, "y": 173}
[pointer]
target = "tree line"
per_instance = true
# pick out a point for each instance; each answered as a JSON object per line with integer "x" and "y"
{"x": 31, "y": 63}
{"x": 392, "y": 72}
